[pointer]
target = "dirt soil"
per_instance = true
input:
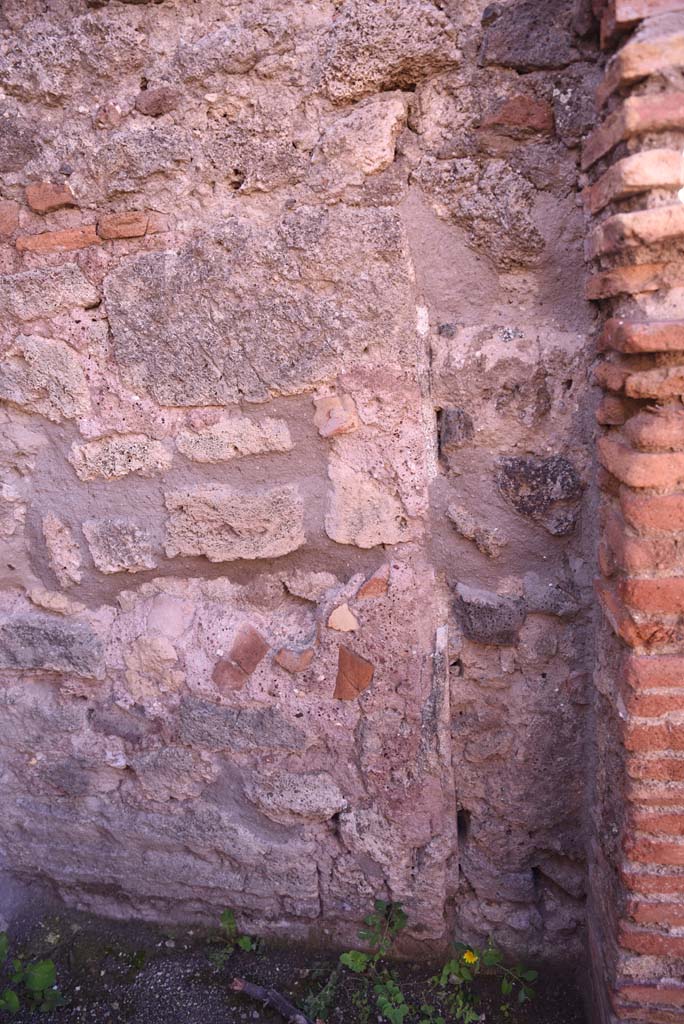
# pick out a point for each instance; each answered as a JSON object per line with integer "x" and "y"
{"x": 122, "y": 973}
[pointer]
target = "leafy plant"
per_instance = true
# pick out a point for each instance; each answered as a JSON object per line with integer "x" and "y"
{"x": 232, "y": 939}
{"x": 382, "y": 928}
{"x": 454, "y": 983}
{"x": 318, "y": 1006}
{"x": 36, "y": 981}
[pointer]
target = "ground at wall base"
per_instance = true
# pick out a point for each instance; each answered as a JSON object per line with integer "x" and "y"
{"x": 122, "y": 973}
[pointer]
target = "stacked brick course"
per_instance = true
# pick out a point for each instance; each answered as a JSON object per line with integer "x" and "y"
{"x": 634, "y": 158}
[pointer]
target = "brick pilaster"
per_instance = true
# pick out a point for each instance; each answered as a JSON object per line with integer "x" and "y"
{"x": 634, "y": 160}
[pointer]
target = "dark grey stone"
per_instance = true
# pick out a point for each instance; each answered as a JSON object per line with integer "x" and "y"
{"x": 549, "y": 598}
{"x": 216, "y": 728}
{"x": 489, "y": 618}
{"x": 456, "y": 428}
{"x": 44, "y": 644}
{"x": 547, "y": 491}
{"x": 531, "y": 34}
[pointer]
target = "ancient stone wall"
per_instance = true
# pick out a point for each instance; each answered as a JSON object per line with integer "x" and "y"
{"x": 297, "y": 538}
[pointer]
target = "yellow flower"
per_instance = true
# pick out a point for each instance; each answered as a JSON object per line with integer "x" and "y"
{"x": 470, "y": 957}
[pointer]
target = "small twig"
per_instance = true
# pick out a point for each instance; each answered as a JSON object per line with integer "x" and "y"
{"x": 269, "y": 997}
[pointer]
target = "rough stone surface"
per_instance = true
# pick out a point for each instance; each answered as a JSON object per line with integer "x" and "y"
{"x": 47, "y": 645}
{"x": 224, "y": 524}
{"x": 119, "y": 545}
{"x": 291, "y": 322}
{"x": 545, "y": 490}
{"x": 232, "y": 437}
{"x": 115, "y": 457}
{"x": 45, "y": 376}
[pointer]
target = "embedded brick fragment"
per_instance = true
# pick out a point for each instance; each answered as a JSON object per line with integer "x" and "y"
{"x": 376, "y": 585}
{"x": 45, "y": 196}
{"x": 640, "y": 469}
{"x": 9, "y": 216}
{"x": 354, "y": 675}
{"x": 655, "y": 336}
{"x": 343, "y": 619}
{"x": 248, "y": 649}
{"x": 521, "y": 115}
{"x": 59, "y": 241}
{"x": 640, "y": 228}
{"x": 335, "y": 415}
{"x": 657, "y": 112}
{"x": 110, "y": 458}
{"x": 649, "y": 169}
{"x": 132, "y": 224}
{"x": 224, "y": 524}
{"x": 295, "y": 660}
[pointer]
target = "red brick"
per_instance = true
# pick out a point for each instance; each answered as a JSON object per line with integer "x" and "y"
{"x": 645, "y": 554}
{"x": 652, "y": 884}
{"x": 294, "y": 660}
{"x": 59, "y": 241}
{"x": 651, "y": 168}
{"x": 131, "y": 224}
{"x": 640, "y": 469}
{"x": 654, "y": 672}
{"x": 652, "y": 705}
{"x": 664, "y": 512}
{"x": 659, "y": 336}
{"x": 654, "y": 793}
{"x": 637, "y": 115}
{"x": 639, "y": 228}
{"x": 627, "y": 12}
{"x": 634, "y": 634}
{"x": 666, "y": 993}
{"x": 249, "y": 648}
{"x": 657, "y": 822}
{"x": 664, "y": 595}
{"x": 354, "y": 675}
{"x": 650, "y": 739}
{"x": 667, "y": 915}
{"x": 612, "y": 411}
{"x": 661, "y": 382}
{"x": 658, "y": 49}
{"x": 633, "y": 280}
{"x": 521, "y": 114}
{"x": 657, "y": 769}
{"x": 228, "y": 676}
{"x": 611, "y": 376}
{"x": 9, "y": 217}
{"x": 376, "y": 585}
{"x": 651, "y": 943}
{"x": 656, "y": 430}
{"x": 44, "y": 196}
